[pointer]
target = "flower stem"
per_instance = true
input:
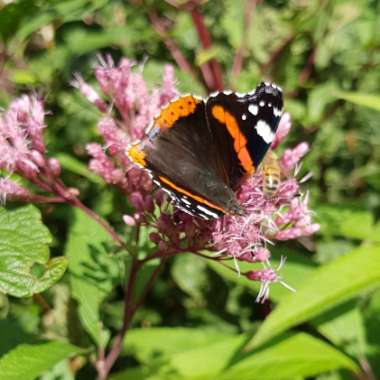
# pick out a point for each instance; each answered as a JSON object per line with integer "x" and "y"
{"x": 130, "y": 307}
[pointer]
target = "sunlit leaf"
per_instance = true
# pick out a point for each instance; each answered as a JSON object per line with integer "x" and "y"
{"x": 25, "y": 266}
{"x": 330, "y": 285}
{"x": 27, "y": 361}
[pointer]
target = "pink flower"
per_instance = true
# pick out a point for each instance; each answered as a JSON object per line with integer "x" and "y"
{"x": 291, "y": 157}
{"x": 267, "y": 276}
{"x": 282, "y": 130}
{"x": 89, "y": 92}
{"x": 21, "y": 140}
{"x": 11, "y": 190}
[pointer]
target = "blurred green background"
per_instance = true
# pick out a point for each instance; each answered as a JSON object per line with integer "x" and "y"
{"x": 326, "y": 57}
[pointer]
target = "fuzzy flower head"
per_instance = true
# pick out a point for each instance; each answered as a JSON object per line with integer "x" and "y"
{"x": 21, "y": 140}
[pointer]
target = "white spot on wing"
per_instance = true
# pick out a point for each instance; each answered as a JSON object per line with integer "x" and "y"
{"x": 227, "y": 92}
{"x": 253, "y": 109}
{"x": 264, "y": 131}
{"x": 262, "y": 103}
{"x": 277, "y": 112}
{"x": 244, "y": 116}
{"x": 213, "y": 94}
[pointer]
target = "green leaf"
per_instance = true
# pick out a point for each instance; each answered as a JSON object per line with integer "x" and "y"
{"x": 25, "y": 266}
{"x": 330, "y": 285}
{"x": 133, "y": 374}
{"x": 151, "y": 343}
{"x": 350, "y": 223}
{"x": 366, "y": 100}
{"x": 297, "y": 355}
{"x": 189, "y": 274}
{"x": 344, "y": 327}
{"x": 70, "y": 163}
{"x": 208, "y": 361}
{"x": 27, "y": 361}
{"x": 93, "y": 271}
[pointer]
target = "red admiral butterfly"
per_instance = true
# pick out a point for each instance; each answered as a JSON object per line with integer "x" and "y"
{"x": 198, "y": 149}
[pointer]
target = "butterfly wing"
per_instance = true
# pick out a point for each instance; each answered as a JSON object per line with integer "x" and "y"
{"x": 244, "y": 126}
{"x": 182, "y": 157}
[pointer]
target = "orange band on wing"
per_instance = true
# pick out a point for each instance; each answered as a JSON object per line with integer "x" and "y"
{"x": 176, "y": 109}
{"x": 240, "y": 140}
{"x": 183, "y": 191}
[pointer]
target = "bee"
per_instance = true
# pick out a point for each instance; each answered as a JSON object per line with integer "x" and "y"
{"x": 271, "y": 174}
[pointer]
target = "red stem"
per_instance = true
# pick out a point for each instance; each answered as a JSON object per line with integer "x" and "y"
{"x": 159, "y": 27}
{"x": 105, "y": 366}
{"x": 250, "y": 6}
{"x": 130, "y": 307}
{"x": 211, "y": 70}
{"x": 274, "y": 56}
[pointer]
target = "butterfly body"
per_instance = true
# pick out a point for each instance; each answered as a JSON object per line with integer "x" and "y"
{"x": 198, "y": 150}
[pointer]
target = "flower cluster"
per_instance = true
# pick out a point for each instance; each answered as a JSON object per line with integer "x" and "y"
{"x": 281, "y": 217}
{"x": 127, "y": 107}
{"x": 22, "y": 150}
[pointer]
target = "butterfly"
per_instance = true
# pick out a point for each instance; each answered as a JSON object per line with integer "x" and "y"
{"x": 199, "y": 150}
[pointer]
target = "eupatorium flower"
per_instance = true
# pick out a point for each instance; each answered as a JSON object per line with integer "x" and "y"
{"x": 21, "y": 140}
{"x": 283, "y": 216}
{"x": 10, "y": 190}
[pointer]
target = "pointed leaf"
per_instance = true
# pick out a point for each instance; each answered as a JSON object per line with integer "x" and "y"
{"x": 330, "y": 285}
{"x": 300, "y": 355}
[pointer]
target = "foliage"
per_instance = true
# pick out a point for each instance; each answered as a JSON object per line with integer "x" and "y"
{"x": 199, "y": 321}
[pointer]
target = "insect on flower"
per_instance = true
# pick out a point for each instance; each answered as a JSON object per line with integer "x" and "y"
{"x": 271, "y": 174}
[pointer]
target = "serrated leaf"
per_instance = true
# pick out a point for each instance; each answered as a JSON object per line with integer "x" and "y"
{"x": 298, "y": 355}
{"x": 93, "y": 271}
{"x": 24, "y": 248}
{"x": 330, "y": 285}
{"x": 27, "y": 361}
